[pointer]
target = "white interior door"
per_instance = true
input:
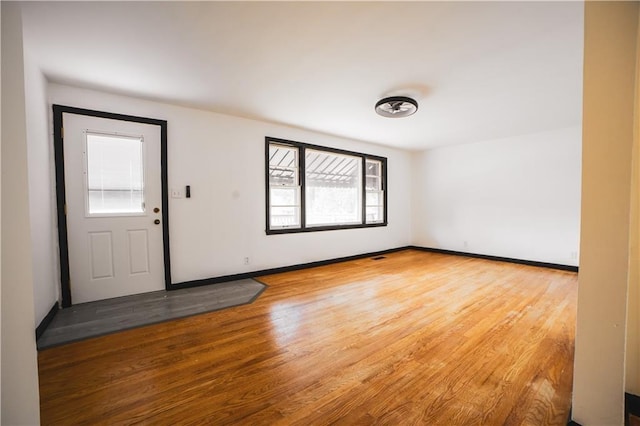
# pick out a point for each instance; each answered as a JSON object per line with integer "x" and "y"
{"x": 113, "y": 203}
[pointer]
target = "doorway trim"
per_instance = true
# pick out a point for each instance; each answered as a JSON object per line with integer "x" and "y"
{"x": 58, "y": 144}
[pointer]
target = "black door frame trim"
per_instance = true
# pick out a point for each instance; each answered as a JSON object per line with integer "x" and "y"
{"x": 631, "y": 407}
{"x": 58, "y": 143}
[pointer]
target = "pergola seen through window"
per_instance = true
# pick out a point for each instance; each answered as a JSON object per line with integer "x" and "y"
{"x": 312, "y": 188}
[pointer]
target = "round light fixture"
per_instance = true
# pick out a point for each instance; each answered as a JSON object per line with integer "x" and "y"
{"x": 396, "y": 106}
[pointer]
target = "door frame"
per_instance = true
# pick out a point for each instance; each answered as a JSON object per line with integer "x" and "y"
{"x": 58, "y": 143}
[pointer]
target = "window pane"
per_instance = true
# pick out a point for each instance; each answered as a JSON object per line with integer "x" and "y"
{"x": 285, "y": 217}
{"x": 373, "y": 168}
{"x": 284, "y": 189}
{"x": 374, "y": 175}
{"x": 373, "y": 183}
{"x": 115, "y": 174}
{"x": 284, "y": 196}
{"x": 283, "y": 165}
{"x": 333, "y": 188}
{"x": 374, "y": 198}
{"x": 374, "y": 214}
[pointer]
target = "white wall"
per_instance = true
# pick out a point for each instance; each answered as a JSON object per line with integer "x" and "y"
{"x": 517, "y": 197}
{"x": 610, "y": 55}
{"x": 46, "y": 275}
{"x": 20, "y": 401}
{"x": 222, "y": 158}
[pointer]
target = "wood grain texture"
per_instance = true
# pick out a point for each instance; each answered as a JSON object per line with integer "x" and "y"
{"x": 415, "y": 338}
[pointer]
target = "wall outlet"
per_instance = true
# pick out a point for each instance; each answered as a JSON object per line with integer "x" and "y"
{"x": 176, "y": 193}
{"x": 246, "y": 260}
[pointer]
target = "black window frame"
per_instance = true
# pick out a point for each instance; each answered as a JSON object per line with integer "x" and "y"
{"x": 302, "y": 147}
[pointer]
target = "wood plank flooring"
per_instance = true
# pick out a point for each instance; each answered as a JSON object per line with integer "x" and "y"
{"x": 415, "y": 338}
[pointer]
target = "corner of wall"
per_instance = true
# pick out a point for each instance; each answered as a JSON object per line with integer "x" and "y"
{"x": 632, "y": 359}
{"x": 41, "y": 190}
{"x": 20, "y": 398}
{"x": 608, "y": 138}
{"x": 414, "y": 200}
{"x": 516, "y": 197}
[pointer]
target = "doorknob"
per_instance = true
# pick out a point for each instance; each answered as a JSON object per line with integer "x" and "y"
{"x": 157, "y": 221}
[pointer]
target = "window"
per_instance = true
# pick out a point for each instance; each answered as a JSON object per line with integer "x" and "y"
{"x": 312, "y": 188}
{"x": 375, "y": 193}
{"x": 284, "y": 187}
{"x": 114, "y": 175}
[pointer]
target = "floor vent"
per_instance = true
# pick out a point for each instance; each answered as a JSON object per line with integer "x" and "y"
{"x": 378, "y": 258}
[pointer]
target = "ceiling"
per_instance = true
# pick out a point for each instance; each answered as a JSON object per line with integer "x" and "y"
{"x": 479, "y": 70}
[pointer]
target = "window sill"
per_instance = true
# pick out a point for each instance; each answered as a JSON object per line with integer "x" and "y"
{"x": 323, "y": 228}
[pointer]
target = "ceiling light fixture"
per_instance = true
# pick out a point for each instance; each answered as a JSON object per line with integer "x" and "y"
{"x": 396, "y": 106}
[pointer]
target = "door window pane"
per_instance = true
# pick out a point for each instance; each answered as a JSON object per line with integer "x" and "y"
{"x": 115, "y": 174}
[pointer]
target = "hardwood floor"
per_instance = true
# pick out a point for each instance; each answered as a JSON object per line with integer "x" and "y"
{"x": 415, "y": 338}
